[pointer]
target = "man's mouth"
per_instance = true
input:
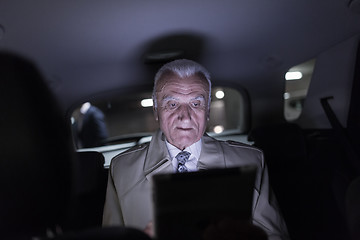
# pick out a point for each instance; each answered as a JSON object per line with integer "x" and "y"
{"x": 184, "y": 128}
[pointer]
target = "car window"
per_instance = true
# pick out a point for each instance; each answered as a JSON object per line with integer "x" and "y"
{"x": 129, "y": 118}
{"x": 297, "y": 81}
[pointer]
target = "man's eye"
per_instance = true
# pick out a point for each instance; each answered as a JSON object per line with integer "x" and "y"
{"x": 172, "y": 105}
{"x": 195, "y": 104}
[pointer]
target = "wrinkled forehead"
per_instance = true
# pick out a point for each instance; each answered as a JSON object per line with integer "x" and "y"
{"x": 170, "y": 79}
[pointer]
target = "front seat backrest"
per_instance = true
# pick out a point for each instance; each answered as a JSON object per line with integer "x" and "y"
{"x": 35, "y": 151}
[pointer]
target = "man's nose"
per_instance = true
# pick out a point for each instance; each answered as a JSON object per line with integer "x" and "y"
{"x": 184, "y": 113}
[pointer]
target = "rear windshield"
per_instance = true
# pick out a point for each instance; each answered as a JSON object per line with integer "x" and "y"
{"x": 129, "y": 118}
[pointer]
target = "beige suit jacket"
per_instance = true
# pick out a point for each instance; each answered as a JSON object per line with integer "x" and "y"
{"x": 128, "y": 198}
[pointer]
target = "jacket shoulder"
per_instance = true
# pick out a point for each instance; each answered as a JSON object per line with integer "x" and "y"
{"x": 126, "y": 168}
{"x": 236, "y": 144}
{"x": 133, "y": 149}
{"x": 130, "y": 153}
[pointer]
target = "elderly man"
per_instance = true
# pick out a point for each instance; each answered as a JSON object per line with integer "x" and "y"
{"x": 181, "y": 96}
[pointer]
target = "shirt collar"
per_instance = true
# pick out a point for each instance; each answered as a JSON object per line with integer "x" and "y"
{"x": 194, "y": 149}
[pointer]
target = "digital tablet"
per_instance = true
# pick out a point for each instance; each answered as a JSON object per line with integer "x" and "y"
{"x": 185, "y": 204}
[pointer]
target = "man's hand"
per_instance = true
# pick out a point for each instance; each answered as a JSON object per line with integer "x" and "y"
{"x": 149, "y": 229}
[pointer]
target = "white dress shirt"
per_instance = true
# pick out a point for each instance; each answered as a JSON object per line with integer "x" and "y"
{"x": 191, "y": 163}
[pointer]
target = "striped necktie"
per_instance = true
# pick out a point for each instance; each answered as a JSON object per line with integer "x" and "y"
{"x": 182, "y": 157}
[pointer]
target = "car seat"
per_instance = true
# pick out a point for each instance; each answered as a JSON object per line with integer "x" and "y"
{"x": 35, "y": 155}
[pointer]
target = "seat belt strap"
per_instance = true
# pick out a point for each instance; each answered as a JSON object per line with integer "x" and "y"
{"x": 341, "y": 134}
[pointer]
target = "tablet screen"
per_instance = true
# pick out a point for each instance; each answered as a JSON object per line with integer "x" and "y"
{"x": 185, "y": 204}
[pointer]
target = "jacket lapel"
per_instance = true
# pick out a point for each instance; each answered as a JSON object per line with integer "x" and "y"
{"x": 212, "y": 155}
{"x": 157, "y": 157}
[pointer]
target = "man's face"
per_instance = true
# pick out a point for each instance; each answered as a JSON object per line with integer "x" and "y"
{"x": 182, "y": 109}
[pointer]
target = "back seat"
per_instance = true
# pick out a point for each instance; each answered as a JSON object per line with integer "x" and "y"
{"x": 89, "y": 191}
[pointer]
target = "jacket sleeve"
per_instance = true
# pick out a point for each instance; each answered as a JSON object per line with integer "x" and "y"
{"x": 112, "y": 214}
{"x": 266, "y": 213}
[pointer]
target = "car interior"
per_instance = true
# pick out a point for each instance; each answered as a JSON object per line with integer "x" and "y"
{"x": 285, "y": 78}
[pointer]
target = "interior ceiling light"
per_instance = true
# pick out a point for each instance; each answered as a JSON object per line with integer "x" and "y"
{"x": 218, "y": 129}
{"x": 293, "y": 76}
{"x": 219, "y": 94}
{"x": 147, "y": 102}
{"x": 286, "y": 95}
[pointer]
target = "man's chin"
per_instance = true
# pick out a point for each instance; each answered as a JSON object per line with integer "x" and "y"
{"x": 183, "y": 142}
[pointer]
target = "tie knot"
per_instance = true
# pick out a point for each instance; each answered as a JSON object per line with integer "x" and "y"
{"x": 182, "y": 157}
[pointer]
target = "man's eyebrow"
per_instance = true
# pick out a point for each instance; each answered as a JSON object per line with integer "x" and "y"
{"x": 168, "y": 98}
{"x": 201, "y": 97}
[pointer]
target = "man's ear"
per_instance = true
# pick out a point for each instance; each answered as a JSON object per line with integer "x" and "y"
{"x": 156, "y": 115}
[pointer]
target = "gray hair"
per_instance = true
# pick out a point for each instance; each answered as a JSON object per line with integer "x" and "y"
{"x": 183, "y": 68}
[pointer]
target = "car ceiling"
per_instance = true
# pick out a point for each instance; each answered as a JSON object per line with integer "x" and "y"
{"x": 85, "y": 47}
